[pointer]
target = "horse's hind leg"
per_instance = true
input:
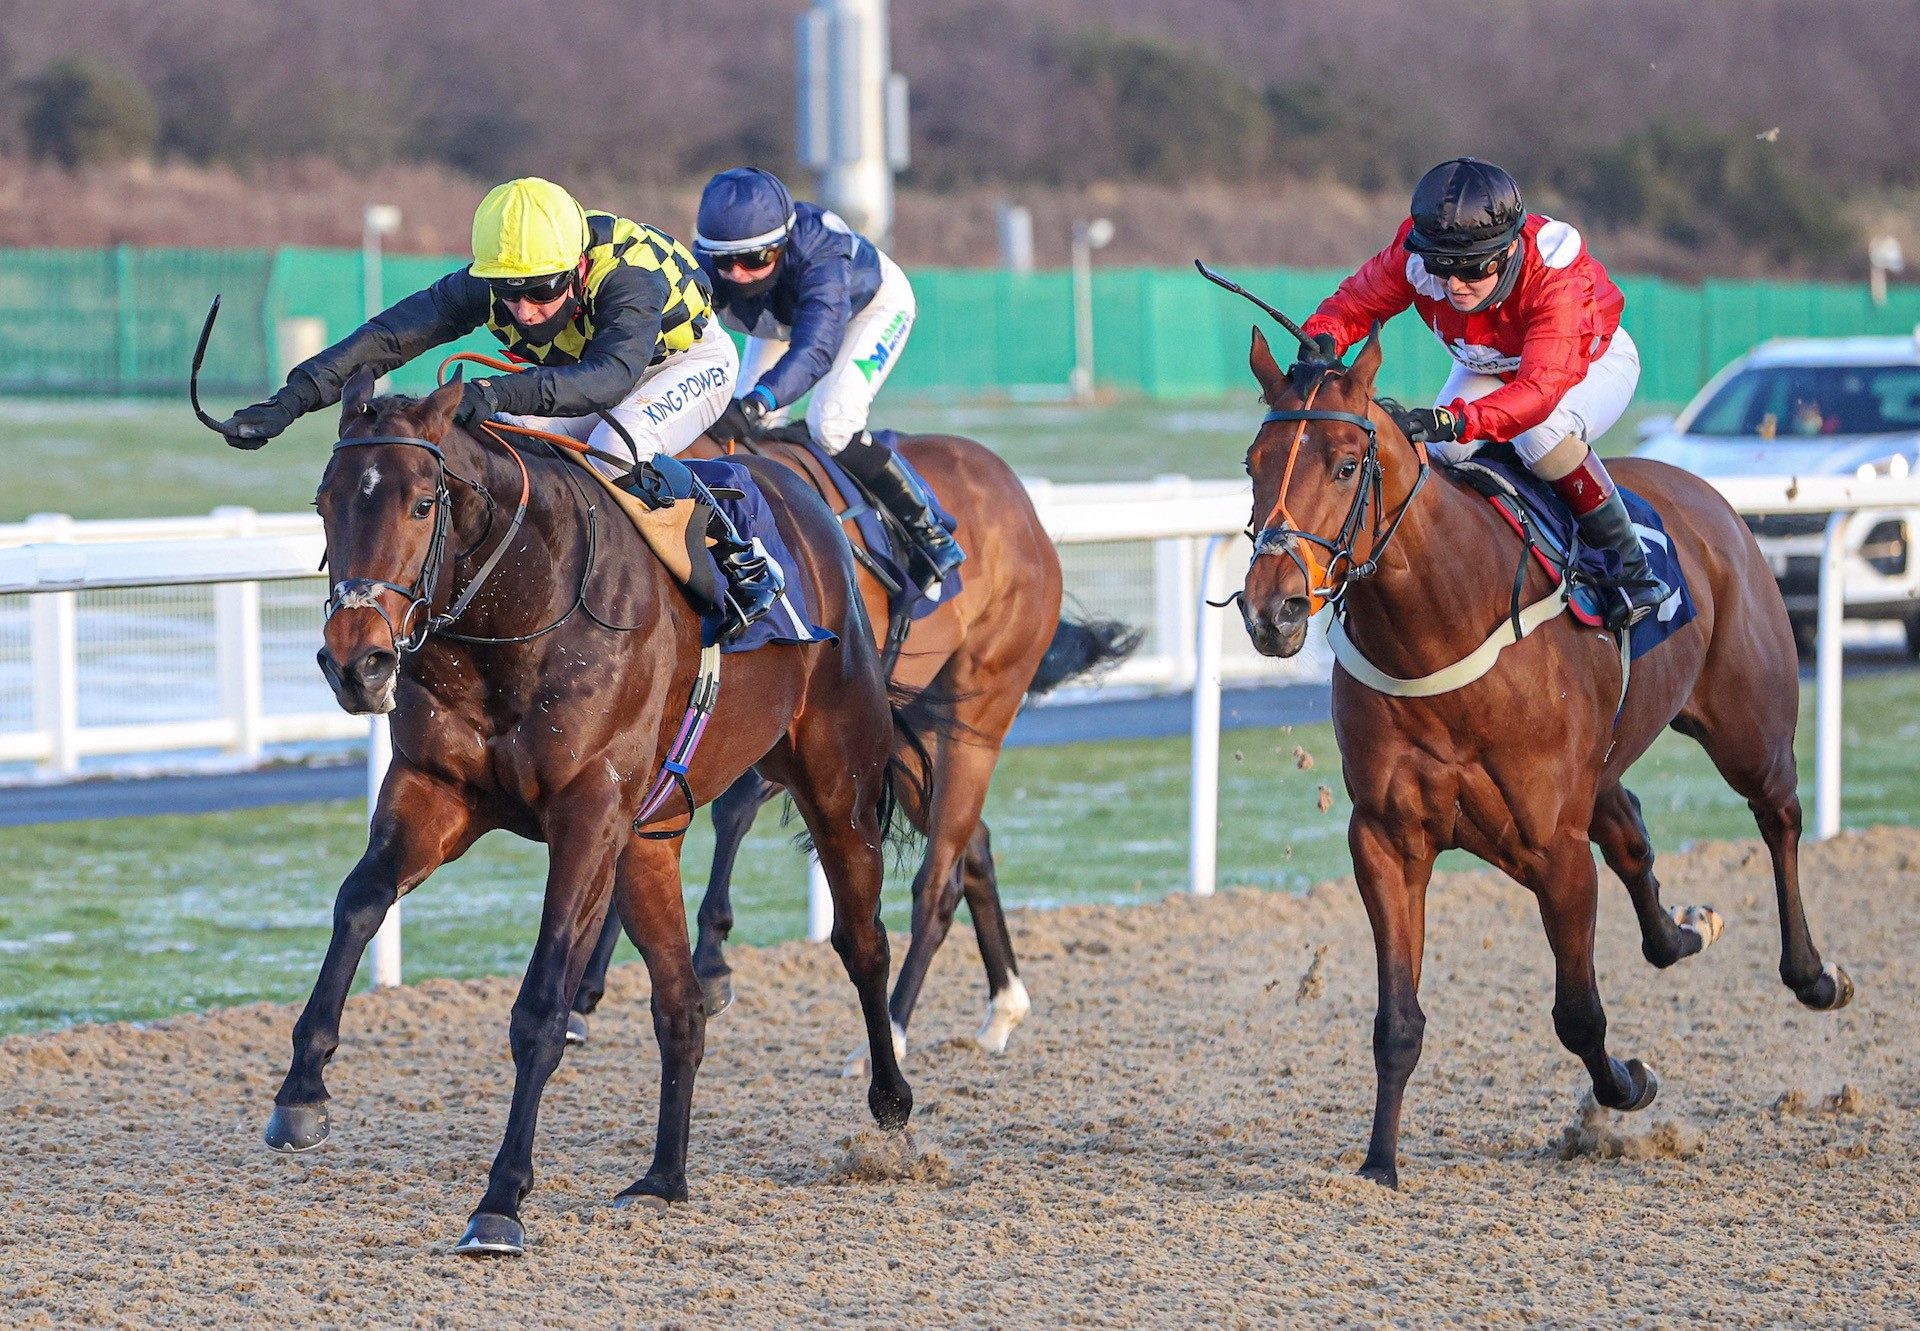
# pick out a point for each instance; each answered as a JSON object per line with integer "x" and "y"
{"x": 648, "y": 901}
{"x": 1568, "y": 888}
{"x": 1754, "y": 753}
{"x": 733, "y": 815}
{"x": 419, "y": 825}
{"x": 1007, "y": 1001}
{"x": 1620, "y": 832}
{"x": 593, "y": 985}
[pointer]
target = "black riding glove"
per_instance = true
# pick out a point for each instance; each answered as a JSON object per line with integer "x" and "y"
{"x": 250, "y": 427}
{"x": 1433, "y": 425}
{"x": 743, "y": 420}
{"x": 477, "y": 403}
{"x": 1320, "y": 347}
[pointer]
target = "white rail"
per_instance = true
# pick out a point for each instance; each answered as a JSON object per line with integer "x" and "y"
{"x": 1193, "y": 526}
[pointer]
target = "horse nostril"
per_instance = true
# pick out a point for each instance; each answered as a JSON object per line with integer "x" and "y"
{"x": 375, "y": 668}
{"x": 1292, "y": 610}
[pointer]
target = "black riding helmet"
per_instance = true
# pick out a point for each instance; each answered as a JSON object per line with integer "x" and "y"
{"x": 1465, "y": 209}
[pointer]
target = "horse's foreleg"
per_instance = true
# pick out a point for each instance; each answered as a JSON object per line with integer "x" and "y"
{"x": 1568, "y": 888}
{"x": 648, "y": 897}
{"x": 1393, "y": 874}
{"x": 419, "y": 825}
{"x": 1665, "y": 935}
{"x": 1007, "y": 1000}
{"x": 584, "y": 841}
{"x": 733, "y": 815}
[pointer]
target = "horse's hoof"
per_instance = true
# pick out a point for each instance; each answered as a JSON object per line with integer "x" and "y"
{"x": 1005, "y": 1010}
{"x": 295, "y": 1128}
{"x": 576, "y": 1028}
{"x": 717, "y": 992}
{"x": 890, "y": 1109}
{"x": 650, "y": 1195}
{"x": 490, "y": 1235}
{"x": 1702, "y": 920}
{"x": 1387, "y": 1176}
{"x": 1646, "y": 1080}
{"x": 858, "y": 1063}
{"x": 1831, "y": 992}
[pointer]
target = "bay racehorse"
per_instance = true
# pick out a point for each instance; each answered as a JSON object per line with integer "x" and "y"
{"x": 537, "y": 657}
{"x": 1001, "y": 639}
{"x": 1523, "y": 766}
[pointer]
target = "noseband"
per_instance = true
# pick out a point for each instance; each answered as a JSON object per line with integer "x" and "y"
{"x": 419, "y": 621}
{"x": 1327, "y": 583}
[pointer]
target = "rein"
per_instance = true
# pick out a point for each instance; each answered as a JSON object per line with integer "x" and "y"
{"x": 1286, "y": 537}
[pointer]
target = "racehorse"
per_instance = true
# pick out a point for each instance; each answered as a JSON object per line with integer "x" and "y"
{"x": 1522, "y": 767}
{"x": 1001, "y": 639}
{"x": 536, "y": 675}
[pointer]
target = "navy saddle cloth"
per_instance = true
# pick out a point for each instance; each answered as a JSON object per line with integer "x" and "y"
{"x": 1497, "y": 472}
{"x": 791, "y": 618}
{"x": 877, "y": 535}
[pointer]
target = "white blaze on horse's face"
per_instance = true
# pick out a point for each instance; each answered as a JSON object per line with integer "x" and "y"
{"x": 369, "y": 480}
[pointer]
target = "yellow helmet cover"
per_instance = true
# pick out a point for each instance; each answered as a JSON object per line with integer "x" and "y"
{"x": 527, "y": 228}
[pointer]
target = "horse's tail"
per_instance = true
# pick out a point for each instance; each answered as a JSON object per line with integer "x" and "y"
{"x": 1083, "y": 646}
{"x": 919, "y": 716}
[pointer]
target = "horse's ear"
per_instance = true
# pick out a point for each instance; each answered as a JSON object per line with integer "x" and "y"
{"x": 438, "y": 408}
{"x": 1367, "y": 364}
{"x": 1265, "y": 368}
{"x": 355, "y": 396}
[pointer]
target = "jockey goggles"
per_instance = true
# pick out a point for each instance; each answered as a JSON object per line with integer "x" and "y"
{"x": 750, "y": 260}
{"x": 539, "y": 290}
{"x": 1470, "y": 268}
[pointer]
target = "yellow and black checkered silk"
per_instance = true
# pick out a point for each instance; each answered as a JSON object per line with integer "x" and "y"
{"x": 617, "y": 242}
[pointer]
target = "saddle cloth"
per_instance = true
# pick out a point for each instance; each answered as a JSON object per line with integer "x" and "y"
{"x": 1497, "y": 472}
{"x": 665, "y": 532}
{"x": 877, "y": 534}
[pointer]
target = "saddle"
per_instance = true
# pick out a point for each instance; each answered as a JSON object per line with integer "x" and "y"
{"x": 1538, "y": 516}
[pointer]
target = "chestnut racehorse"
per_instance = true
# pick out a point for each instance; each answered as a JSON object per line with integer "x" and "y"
{"x": 1522, "y": 767}
{"x": 1002, "y": 638}
{"x": 546, "y": 705}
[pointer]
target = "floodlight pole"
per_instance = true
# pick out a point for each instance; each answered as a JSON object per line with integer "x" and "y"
{"x": 852, "y": 111}
{"x": 1087, "y": 237}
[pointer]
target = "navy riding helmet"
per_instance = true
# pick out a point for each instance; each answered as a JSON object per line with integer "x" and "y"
{"x": 1463, "y": 209}
{"x": 743, "y": 210}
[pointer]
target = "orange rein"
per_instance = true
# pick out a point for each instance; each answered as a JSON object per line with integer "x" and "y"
{"x": 1318, "y": 574}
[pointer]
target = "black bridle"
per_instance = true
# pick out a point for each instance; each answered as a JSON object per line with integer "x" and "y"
{"x": 419, "y": 621}
{"x": 1286, "y": 538}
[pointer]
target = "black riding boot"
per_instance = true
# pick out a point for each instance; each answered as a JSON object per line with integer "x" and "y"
{"x": 1609, "y": 527}
{"x": 754, "y": 581}
{"x": 935, "y": 553}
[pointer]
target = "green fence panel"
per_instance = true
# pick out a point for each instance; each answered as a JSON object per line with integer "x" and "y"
{"x": 122, "y": 320}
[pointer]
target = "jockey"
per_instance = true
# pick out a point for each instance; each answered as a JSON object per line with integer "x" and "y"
{"x": 822, "y": 309}
{"x": 614, "y": 319}
{"x": 1533, "y": 323}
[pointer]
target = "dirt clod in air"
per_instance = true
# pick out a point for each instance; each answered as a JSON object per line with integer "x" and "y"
{"x": 1325, "y": 799}
{"x": 1598, "y": 1132}
{"x": 872, "y": 1156}
{"x": 1313, "y": 982}
{"x": 1301, "y": 758}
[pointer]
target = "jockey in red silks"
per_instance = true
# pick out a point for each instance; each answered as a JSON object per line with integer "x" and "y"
{"x": 1533, "y": 324}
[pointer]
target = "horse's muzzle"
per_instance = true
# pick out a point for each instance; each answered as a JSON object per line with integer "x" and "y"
{"x": 366, "y": 684}
{"x": 1276, "y": 629}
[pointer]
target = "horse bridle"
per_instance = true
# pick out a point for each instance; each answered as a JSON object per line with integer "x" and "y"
{"x": 358, "y": 593}
{"x": 1327, "y": 583}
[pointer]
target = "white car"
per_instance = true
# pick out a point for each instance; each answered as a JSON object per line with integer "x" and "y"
{"x": 1814, "y": 407}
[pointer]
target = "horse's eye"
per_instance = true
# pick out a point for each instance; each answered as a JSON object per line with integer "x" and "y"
{"x": 1346, "y": 469}
{"x": 422, "y": 507}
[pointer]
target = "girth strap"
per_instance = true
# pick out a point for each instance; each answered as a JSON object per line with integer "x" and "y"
{"x": 1462, "y": 672}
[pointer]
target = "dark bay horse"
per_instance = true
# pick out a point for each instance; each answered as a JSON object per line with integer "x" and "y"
{"x": 1522, "y": 767}
{"x": 546, "y": 705}
{"x": 1002, "y": 638}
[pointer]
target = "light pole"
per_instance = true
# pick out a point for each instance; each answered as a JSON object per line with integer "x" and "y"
{"x": 1883, "y": 256}
{"x": 1087, "y": 237}
{"x": 379, "y": 219}
{"x": 851, "y": 129}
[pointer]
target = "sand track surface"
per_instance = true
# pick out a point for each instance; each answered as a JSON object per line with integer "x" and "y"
{"x": 1170, "y": 1140}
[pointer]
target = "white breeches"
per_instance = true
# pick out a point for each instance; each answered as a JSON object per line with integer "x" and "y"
{"x": 672, "y": 405}
{"x": 842, "y": 399}
{"x": 1588, "y": 410}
